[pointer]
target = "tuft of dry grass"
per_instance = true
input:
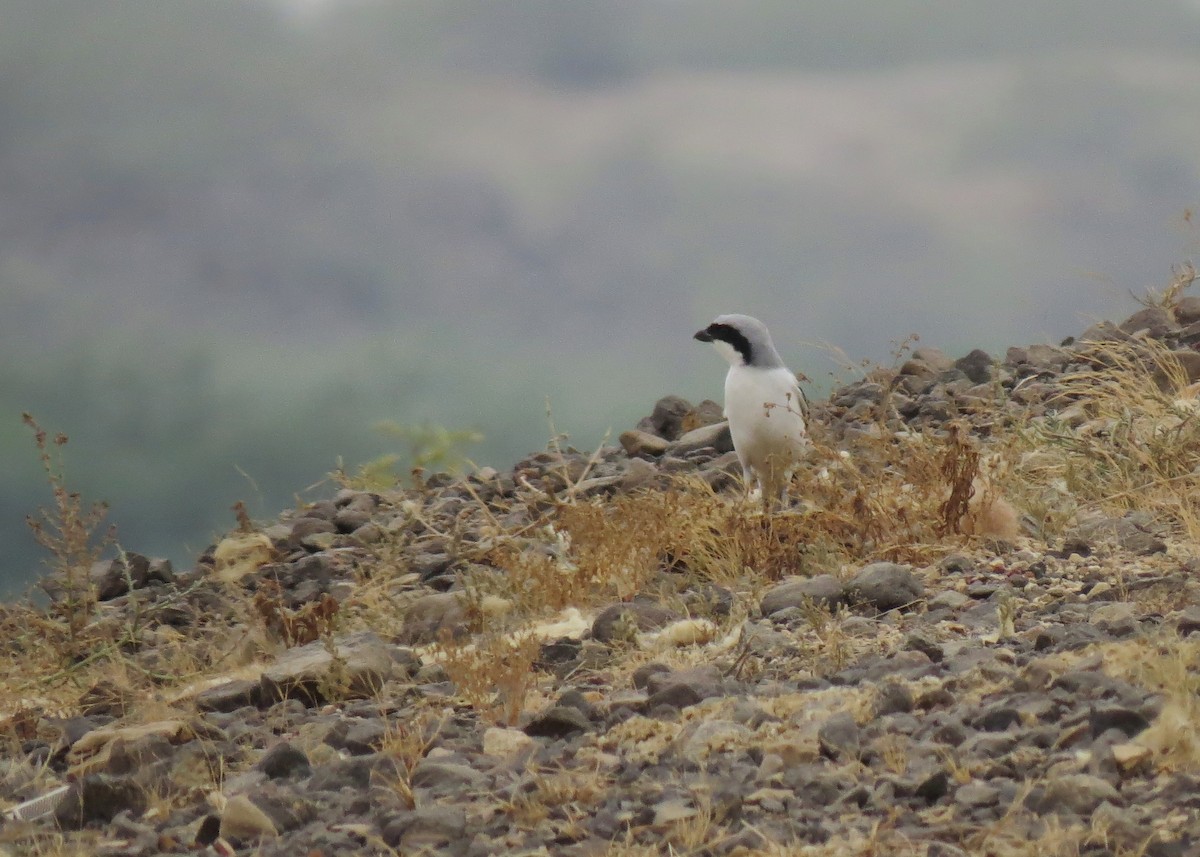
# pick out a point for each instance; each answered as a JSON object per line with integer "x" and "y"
{"x": 1124, "y": 436}
{"x": 494, "y": 674}
{"x": 68, "y": 531}
{"x": 1169, "y": 666}
{"x": 882, "y": 499}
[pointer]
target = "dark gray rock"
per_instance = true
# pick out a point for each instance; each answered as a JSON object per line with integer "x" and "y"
{"x": 425, "y": 827}
{"x": 893, "y": 698}
{"x": 303, "y": 529}
{"x": 573, "y": 698}
{"x": 997, "y": 718}
{"x": 977, "y": 366}
{"x": 1187, "y": 310}
{"x": 1156, "y": 321}
{"x": 824, "y": 590}
{"x": 287, "y": 809}
{"x": 934, "y": 787}
{"x": 438, "y": 775}
{"x": 643, "y": 674}
{"x": 365, "y": 736}
{"x": 838, "y": 737}
{"x": 284, "y": 760}
{"x": 431, "y": 616}
{"x": 355, "y": 665}
{"x": 558, "y": 721}
{"x": 231, "y": 696}
{"x": 1188, "y": 621}
{"x": 99, "y": 797}
{"x": 1131, "y": 533}
{"x": 666, "y": 420}
{"x": 620, "y": 622}
{"x": 885, "y": 586}
{"x": 354, "y": 773}
{"x": 112, "y": 577}
{"x": 935, "y": 358}
{"x": 921, "y": 643}
{"x": 1125, "y": 720}
{"x": 677, "y": 694}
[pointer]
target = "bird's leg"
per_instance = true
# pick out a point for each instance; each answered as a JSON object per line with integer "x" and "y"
{"x": 786, "y": 484}
{"x": 749, "y": 480}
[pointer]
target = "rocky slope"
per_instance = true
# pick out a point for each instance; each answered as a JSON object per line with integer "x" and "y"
{"x": 612, "y": 653}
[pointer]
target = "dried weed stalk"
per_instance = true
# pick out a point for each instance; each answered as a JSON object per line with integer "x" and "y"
{"x": 68, "y": 530}
{"x": 294, "y": 627}
{"x": 493, "y": 674}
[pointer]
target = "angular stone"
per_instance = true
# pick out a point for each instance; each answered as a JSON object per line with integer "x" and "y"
{"x": 666, "y": 420}
{"x": 824, "y": 590}
{"x": 558, "y": 721}
{"x": 706, "y": 413}
{"x": 1154, "y": 320}
{"x": 435, "y": 774}
{"x": 1126, "y": 720}
{"x": 893, "y": 698}
{"x": 1166, "y": 374}
{"x": 715, "y": 736}
{"x": 354, "y": 773}
{"x": 425, "y": 828}
{"x": 623, "y": 621}
{"x": 838, "y": 737}
{"x": 933, "y": 357}
{"x": 1077, "y": 794}
{"x": 231, "y": 695}
{"x": 1131, "y": 758}
{"x": 352, "y": 666}
{"x": 885, "y": 586}
{"x": 977, "y": 366}
{"x": 1187, "y": 309}
{"x": 506, "y": 743}
{"x": 674, "y": 695}
{"x": 284, "y": 760}
{"x": 284, "y": 805}
{"x": 430, "y": 616}
{"x": 934, "y": 787}
{"x": 643, "y": 674}
{"x": 243, "y": 820}
{"x": 112, "y": 577}
{"x": 715, "y": 436}
{"x": 99, "y": 797}
{"x": 303, "y": 529}
{"x": 977, "y": 795}
{"x": 641, "y": 443}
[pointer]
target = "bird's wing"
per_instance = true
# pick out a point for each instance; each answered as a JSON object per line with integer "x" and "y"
{"x": 801, "y": 399}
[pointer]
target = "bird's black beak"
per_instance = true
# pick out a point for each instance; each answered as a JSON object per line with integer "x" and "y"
{"x": 703, "y": 335}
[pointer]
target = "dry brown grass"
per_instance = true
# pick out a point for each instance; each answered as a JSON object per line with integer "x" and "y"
{"x": 1169, "y": 666}
{"x": 887, "y": 498}
{"x": 69, "y": 532}
{"x": 493, "y": 674}
{"x": 1125, "y": 439}
{"x": 1129, "y": 442}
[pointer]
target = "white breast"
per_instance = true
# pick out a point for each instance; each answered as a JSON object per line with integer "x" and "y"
{"x": 763, "y": 407}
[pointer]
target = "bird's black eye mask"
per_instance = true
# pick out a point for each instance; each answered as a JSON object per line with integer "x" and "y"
{"x": 727, "y": 333}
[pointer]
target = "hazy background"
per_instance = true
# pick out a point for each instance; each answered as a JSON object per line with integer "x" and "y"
{"x": 234, "y": 234}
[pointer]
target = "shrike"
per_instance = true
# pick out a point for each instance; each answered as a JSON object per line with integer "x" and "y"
{"x": 763, "y": 403}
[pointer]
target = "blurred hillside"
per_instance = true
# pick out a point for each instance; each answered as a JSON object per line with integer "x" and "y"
{"x": 235, "y": 234}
